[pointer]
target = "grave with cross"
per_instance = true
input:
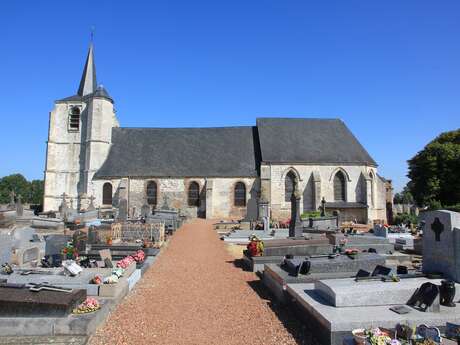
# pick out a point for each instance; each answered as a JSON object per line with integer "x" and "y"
{"x": 441, "y": 243}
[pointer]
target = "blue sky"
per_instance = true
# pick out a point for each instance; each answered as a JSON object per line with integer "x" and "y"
{"x": 390, "y": 69}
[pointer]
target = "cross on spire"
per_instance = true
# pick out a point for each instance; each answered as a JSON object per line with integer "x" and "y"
{"x": 437, "y": 228}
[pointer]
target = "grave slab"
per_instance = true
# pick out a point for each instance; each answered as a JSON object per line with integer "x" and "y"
{"x": 331, "y": 325}
{"x": 134, "y": 279}
{"x": 23, "y": 302}
{"x": 350, "y": 293}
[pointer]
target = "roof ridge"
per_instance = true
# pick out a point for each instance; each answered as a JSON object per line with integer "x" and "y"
{"x": 156, "y": 128}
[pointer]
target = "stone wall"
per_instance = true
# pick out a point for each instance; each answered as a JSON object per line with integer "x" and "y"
{"x": 216, "y": 196}
{"x": 316, "y": 182}
{"x": 73, "y": 156}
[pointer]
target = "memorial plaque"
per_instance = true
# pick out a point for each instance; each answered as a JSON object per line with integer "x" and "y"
{"x": 30, "y": 254}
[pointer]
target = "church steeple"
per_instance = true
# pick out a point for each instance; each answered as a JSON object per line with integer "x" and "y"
{"x": 88, "y": 83}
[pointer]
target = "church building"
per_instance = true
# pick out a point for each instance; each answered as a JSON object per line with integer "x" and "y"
{"x": 216, "y": 173}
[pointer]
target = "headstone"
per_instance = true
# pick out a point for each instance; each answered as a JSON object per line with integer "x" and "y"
{"x": 55, "y": 244}
{"x": 93, "y": 235}
{"x": 19, "y": 207}
{"x": 80, "y": 238}
{"x": 105, "y": 254}
{"x": 165, "y": 203}
{"x": 323, "y": 207}
{"x": 441, "y": 243}
{"x": 295, "y": 225}
{"x": 145, "y": 211}
{"x": 31, "y": 254}
{"x": 123, "y": 210}
{"x": 83, "y": 202}
{"x": 91, "y": 204}
{"x": 6, "y": 246}
{"x": 72, "y": 267}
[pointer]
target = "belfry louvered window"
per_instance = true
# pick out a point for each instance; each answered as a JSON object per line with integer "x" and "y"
{"x": 74, "y": 119}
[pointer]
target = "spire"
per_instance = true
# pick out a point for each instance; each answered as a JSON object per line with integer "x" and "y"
{"x": 88, "y": 81}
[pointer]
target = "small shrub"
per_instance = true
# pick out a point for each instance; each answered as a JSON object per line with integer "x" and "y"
{"x": 404, "y": 218}
{"x": 455, "y": 208}
{"x": 310, "y": 214}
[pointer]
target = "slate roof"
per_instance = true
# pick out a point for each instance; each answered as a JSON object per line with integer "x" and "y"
{"x": 295, "y": 140}
{"x": 182, "y": 152}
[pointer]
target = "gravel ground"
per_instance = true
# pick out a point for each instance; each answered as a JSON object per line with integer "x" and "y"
{"x": 196, "y": 294}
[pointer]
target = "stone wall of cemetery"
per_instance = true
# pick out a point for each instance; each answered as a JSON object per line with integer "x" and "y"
{"x": 316, "y": 181}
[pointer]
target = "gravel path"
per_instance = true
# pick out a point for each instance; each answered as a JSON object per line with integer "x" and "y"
{"x": 194, "y": 294}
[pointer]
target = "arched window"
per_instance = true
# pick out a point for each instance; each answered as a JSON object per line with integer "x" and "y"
{"x": 289, "y": 185}
{"x": 339, "y": 187}
{"x": 107, "y": 194}
{"x": 194, "y": 194}
{"x": 152, "y": 193}
{"x": 240, "y": 194}
{"x": 74, "y": 119}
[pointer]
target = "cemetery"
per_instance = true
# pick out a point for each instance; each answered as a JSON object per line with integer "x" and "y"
{"x": 209, "y": 227}
{"x": 338, "y": 297}
{"x": 65, "y": 279}
{"x": 346, "y": 286}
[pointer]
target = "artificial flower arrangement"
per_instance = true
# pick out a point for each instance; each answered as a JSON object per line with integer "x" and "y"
{"x": 96, "y": 280}
{"x": 70, "y": 252}
{"x": 139, "y": 256}
{"x": 88, "y": 306}
{"x": 125, "y": 262}
{"x": 374, "y": 336}
{"x": 404, "y": 335}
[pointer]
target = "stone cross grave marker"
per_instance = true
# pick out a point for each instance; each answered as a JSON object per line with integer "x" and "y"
{"x": 91, "y": 204}
{"x": 123, "y": 210}
{"x": 19, "y": 207}
{"x": 145, "y": 211}
{"x": 295, "y": 225}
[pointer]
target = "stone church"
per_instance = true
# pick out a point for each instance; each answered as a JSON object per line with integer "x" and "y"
{"x": 223, "y": 172}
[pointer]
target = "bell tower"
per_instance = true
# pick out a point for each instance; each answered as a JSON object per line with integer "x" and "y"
{"x": 79, "y": 138}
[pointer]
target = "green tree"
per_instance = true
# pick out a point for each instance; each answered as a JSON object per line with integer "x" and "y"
{"x": 16, "y": 183}
{"x": 435, "y": 171}
{"x": 36, "y": 192}
{"x": 404, "y": 197}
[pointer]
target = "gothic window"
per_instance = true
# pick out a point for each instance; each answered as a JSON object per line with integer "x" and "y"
{"x": 74, "y": 119}
{"x": 107, "y": 194}
{"x": 152, "y": 193}
{"x": 240, "y": 194}
{"x": 339, "y": 187}
{"x": 194, "y": 194}
{"x": 289, "y": 185}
